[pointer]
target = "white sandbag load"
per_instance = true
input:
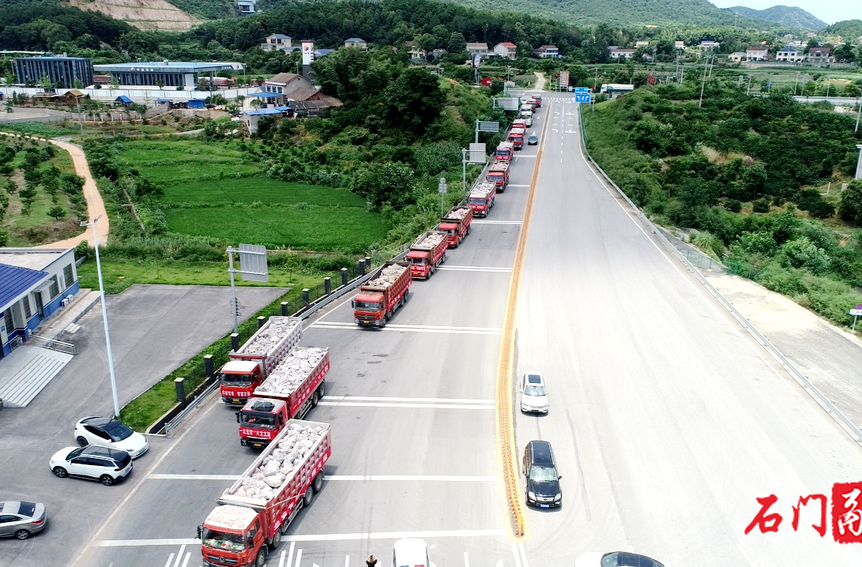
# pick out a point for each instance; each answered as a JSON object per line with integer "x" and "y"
{"x": 387, "y": 276}
{"x": 263, "y": 483}
{"x": 292, "y": 371}
{"x": 267, "y": 337}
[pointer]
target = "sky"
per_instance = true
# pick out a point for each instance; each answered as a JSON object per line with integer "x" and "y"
{"x": 829, "y": 11}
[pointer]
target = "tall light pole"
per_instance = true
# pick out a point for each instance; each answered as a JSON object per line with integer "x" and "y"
{"x": 859, "y": 163}
{"x": 104, "y": 314}
{"x": 795, "y": 83}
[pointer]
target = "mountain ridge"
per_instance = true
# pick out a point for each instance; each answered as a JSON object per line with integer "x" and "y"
{"x": 789, "y": 16}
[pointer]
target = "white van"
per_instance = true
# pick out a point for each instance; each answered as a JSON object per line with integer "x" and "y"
{"x": 411, "y": 552}
{"x": 527, "y": 117}
{"x": 527, "y": 107}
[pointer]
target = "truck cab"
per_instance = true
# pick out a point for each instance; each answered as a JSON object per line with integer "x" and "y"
{"x": 516, "y": 136}
{"x": 260, "y": 420}
{"x": 480, "y": 203}
{"x": 420, "y": 263}
{"x": 231, "y": 535}
{"x": 452, "y": 229}
{"x": 238, "y": 379}
{"x": 504, "y": 151}
{"x": 369, "y": 308}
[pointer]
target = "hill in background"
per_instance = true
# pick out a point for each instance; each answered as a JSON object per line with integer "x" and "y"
{"x": 788, "y": 16}
{"x": 587, "y": 12}
{"x": 143, "y": 14}
{"x": 850, "y": 30}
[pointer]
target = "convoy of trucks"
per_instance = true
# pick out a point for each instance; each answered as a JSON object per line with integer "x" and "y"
{"x": 456, "y": 223}
{"x": 257, "y": 509}
{"x": 293, "y": 388}
{"x": 382, "y": 294}
{"x": 482, "y": 198}
{"x": 249, "y": 366}
{"x": 279, "y": 382}
{"x": 427, "y": 252}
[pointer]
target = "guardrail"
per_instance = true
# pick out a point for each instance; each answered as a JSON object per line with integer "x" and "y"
{"x": 800, "y": 378}
{"x": 52, "y": 344}
{"x": 175, "y": 422}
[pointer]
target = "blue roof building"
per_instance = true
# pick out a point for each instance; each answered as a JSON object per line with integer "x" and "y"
{"x": 34, "y": 283}
{"x": 167, "y": 73}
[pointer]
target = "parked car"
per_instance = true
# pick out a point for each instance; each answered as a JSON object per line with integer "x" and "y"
{"x": 22, "y": 519}
{"x": 534, "y": 395}
{"x": 98, "y": 463}
{"x": 111, "y": 433}
{"x": 533, "y": 139}
{"x": 615, "y": 559}
{"x": 543, "y": 480}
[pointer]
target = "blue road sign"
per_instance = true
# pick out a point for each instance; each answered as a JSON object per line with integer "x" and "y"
{"x": 582, "y": 95}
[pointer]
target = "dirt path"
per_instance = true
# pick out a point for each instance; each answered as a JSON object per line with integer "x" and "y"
{"x": 95, "y": 204}
{"x": 540, "y": 81}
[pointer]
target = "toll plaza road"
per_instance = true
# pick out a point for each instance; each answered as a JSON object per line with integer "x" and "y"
{"x": 668, "y": 421}
{"x": 412, "y": 410}
{"x": 154, "y": 329}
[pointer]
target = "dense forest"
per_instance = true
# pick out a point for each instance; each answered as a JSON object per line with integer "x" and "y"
{"x": 848, "y": 29}
{"x": 758, "y": 180}
{"x": 614, "y": 12}
{"x": 44, "y": 24}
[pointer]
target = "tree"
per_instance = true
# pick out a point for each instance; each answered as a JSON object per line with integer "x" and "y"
{"x": 414, "y": 101}
{"x": 57, "y": 212}
{"x": 850, "y": 208}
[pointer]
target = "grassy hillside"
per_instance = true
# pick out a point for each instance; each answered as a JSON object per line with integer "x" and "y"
{"x": 789, "y": 16}
{"x": 850, "y": 29}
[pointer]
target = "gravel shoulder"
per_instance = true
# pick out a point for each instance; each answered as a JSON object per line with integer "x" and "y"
{"x": 826, "y": 354}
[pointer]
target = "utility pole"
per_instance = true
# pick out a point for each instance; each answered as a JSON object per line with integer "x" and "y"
{"x": 795, "y": 83}
{"x": 702, "y": 85}
{"x": 858, "y": 112}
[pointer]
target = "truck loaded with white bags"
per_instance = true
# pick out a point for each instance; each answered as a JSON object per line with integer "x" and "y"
{"x": 252, "y": 515}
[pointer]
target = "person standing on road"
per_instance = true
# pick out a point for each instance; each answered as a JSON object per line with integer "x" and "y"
{"x": 371, "y": 561}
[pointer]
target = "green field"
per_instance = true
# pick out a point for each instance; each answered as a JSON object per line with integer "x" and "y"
{"x": 170, "y": 163}
{"x": 311, "y": 227}
{"x": 213, "y": 190}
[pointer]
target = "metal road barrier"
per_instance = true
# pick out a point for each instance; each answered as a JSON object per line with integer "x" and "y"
{"x": 800, "y": 378}
{"x": 174, "y": 423}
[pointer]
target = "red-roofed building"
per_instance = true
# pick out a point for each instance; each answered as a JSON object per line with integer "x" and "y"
{"x": 506, "y": 49}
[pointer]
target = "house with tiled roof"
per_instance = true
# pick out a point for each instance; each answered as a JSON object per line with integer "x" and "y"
{"x": 506, "y": 49}
{"x": 820, "y": 56}
{"x": 547, "y": 52}
{"x": 757, "y": 53}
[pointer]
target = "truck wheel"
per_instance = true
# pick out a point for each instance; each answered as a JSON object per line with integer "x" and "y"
{"x": 322, "y": 389}
{"x": 261, "y": 558}
{"x": 314, "y": 399}
{"x": 276, "y": 539}
{"x": 306, "y": 498}
{"x": 318, "y": 482}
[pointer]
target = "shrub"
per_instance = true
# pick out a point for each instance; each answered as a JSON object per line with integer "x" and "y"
{"x": 802, "y": 253}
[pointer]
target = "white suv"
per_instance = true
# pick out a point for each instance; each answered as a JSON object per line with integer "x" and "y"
{"x": 534, "y": 395}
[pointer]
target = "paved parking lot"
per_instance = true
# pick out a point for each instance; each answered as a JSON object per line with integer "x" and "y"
{"x": 153, "y": 329}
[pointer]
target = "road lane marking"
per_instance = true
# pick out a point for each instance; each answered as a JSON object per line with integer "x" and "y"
{"x": 298, "y": 557}
{"x": 170, "y": 560}
{"x": 402, "y": 405}
{"x": 515, "y": 553}
{"x": 344, "y": 477}
{"x": 466, "y": 560}
{"x": 476, "y": 269}
{"x": 290, "y": 553}
{"x": 315, "y": 537}
{"x": 414, "y": 328}
{"x": 523, "y": 554}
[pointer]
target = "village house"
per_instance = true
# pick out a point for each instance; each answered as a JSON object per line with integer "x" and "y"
{"x": 547, "y": 52}
{"x": 756, "y": 53}
{"x": 275, "y": 42}
{"x": 507, "y": 50}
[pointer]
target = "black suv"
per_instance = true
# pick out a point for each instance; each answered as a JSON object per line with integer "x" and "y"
{"x": 543, "y": 480}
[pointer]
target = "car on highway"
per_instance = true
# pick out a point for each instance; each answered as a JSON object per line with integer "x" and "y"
{"x": 534, "y": 395}
{"x": 533, "y": 139}
{"x": 615, "y": 559}
{"x": 98, "y": 463}
{"x": 543, "y": 480}
{"x": 111, "y": 433}
{"x": 22, "y": 519}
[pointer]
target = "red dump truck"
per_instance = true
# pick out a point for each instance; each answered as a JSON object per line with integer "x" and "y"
{"x": 505, "y": 151}
{"x": 249, "y": 366}
{"x": 516, "y": 136}
{"x": 482, "y": 198}
{"x": 293, "y": 388}
{"x": 252, "y": 515}
{"x": 428, "y": 252}
{"x": 519, "y": 123}
{"x": 381, "y": 295}
{"x": 498, "y": 174}
{"x": 456, "y": 223}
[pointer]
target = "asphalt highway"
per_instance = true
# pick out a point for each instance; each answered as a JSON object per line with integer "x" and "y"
{"x": 667, "y": 420}
{"x": 413, "y": 422}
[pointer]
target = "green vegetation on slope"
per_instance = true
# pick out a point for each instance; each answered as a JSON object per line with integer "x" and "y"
{"x": 750, "y": 175}
{"x": 787, "y": 16}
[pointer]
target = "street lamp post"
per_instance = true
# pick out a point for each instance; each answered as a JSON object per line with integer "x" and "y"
{"x": 104, "y": 314}
{"x": 859, "y": 163}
